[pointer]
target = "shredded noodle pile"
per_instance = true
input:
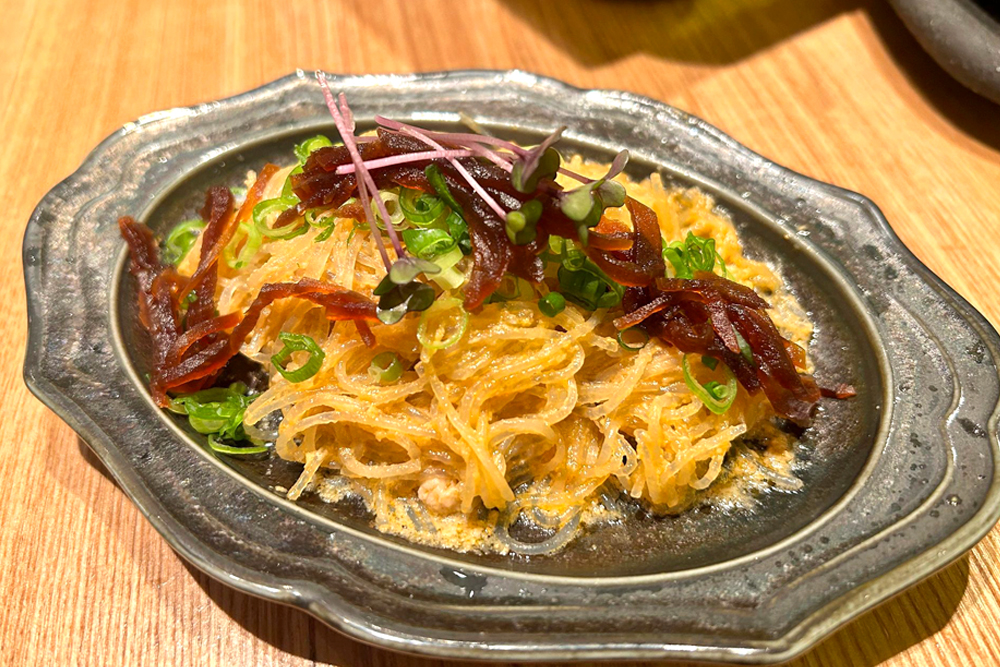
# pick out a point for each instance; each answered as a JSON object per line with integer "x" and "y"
{"x": 502, "y": 411}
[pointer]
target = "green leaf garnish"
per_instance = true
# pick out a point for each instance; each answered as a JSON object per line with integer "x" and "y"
{"x": 586, "y": 204}
{"x": 405, "y": 269}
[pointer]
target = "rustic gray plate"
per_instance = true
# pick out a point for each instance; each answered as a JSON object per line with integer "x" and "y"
{"x": 899, "y": 482}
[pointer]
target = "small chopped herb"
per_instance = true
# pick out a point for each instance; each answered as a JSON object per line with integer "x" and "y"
{"x": 694, "y": 253}
{"x": 745, "y": 348}
{"x": 307, "y": 147}
{"x": 420, "y": 208}
{"x": 633, "y": 347}
{"x": 552, "y": 304}
{"x": 180, "y": 240}
{"x": 715, "y": 396}
{"x": 520, "y": 224}
{"x": 218, "y": 413}
{"x": 274, "y": 207}
{"x": 385, "y": 368}
{"x": 298, "y": 343}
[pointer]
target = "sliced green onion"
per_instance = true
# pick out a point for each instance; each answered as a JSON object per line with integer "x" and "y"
{"x": 181, "y": 239}
{"x": 440, "y": 185}
{"x": 217, "y": 412}
{"x": 327, "y": 223}
{"x": 745, "y": 349}
{"x": 701, "y": 252}
{"x": 677, "y": 256}
{"x": 552, "y": 304}
{"x": 449, "y": 277}
{"x": 269, "y": 207}
{"x": 298, "y": 343}
{"x": 722, "y": 263}
{"x": 286, "y": 189}
{"x": 238, "y": 193}
{"x": 459, "y": 231}
{"x": 711, "y": 362}
{"x": 716, "y": 397}
{"x": 391, "y": 201}
{"x": 385, "y": 368}
{"x": 589, "y": 287}
{"x": 207, "y": 425}
{"x": 428, "y": 339}
{"x": 632, "y": 348}
{"x": 306, "y": 148}
{"x": 252, "y": 240}
{"x": 510, "y": 288}
{"x": 418, "y": 207}
{"x": 428, "y": 243}
{"x": 229, "y": 450}
{"x": 694, "y": 253}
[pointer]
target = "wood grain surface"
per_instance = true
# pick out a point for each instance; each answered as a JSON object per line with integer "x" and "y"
{"x": 836, "y": 89}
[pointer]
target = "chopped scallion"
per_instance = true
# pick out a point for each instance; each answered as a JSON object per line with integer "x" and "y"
{"x": 418, "y": 207}
{"x": 633, "y": 347}
{"x": 298, "y": 343}
{"x": 230, "y": 450}
{"x": 181, "y": 239}
{"x": 218, "y": 413}
{"x": 451, "y": 332}
{"x": 745, "y": 349}
{"x": 715, "y": 396}
{"x": 385, "y": 368}
{"x": 552, "y": 304}
{"x": 428, "y": 243}
{"x": 274, "y": 207}
{"x": 306, "y": 148}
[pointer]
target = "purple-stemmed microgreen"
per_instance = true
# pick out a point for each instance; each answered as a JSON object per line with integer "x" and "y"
{"x": 521, "y": 225}
{"x": 406, "y": 158}
{"x": 585, "y": 205}
{"x": 479, "y": 189}
{"x": 399, "y": 292}
{"x": 540, "y": 162}
{"x": 347, "y": 134}
{"x": 465, "y": 139}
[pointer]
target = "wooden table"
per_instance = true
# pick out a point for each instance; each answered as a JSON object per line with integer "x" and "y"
{"x": 836, "y": 89}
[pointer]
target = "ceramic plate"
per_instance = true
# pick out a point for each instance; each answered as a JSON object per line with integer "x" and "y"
{"x": 898, "y": 482}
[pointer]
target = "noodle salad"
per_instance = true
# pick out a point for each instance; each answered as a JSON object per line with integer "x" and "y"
{"x": 480, "y": 340}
